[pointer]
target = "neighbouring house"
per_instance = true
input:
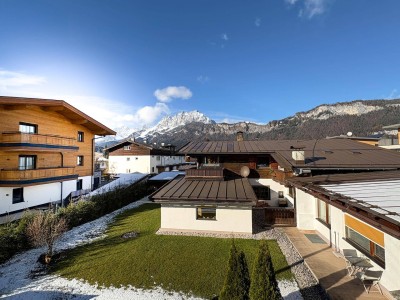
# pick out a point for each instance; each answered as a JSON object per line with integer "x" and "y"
{"x": 240, "y": 185}
{"x": 130, "y": 156}
{"x": 46, "y": 153}
{"x": 358, "y": 211}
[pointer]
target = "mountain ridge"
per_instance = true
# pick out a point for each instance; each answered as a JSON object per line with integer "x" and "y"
{"x": 362, "y": 117}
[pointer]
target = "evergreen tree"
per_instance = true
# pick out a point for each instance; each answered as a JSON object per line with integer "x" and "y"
{"x": 263, "y": 282}
{"x": 237, "y": 280}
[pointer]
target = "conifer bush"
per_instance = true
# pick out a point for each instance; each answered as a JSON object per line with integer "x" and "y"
{"x": 263, "y": 282}
{"x": 237, "y": 280}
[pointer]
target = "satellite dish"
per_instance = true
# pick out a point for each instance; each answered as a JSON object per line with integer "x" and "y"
{"x": 244, "y": 171}
{"x": 349, "y": 133}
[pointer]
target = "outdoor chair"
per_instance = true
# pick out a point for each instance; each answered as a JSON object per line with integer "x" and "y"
{"x": 370, "y": 279}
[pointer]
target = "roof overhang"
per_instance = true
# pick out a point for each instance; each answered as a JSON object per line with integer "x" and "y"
{"x": 60, "y": 106}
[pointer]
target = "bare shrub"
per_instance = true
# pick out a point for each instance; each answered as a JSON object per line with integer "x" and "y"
{"x": 45, "y": 229}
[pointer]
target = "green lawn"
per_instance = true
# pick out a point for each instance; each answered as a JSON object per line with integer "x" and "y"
{"x": 194, "y": 265}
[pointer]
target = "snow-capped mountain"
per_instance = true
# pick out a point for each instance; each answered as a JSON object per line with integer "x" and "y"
{"x": 362, "y": 117}
{"x": 171, "y": 122}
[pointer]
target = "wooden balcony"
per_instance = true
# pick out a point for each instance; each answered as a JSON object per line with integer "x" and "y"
{"x": 17, "y": 141}
{"x": 206, "y": 173}
{"x": 36, "y": 176}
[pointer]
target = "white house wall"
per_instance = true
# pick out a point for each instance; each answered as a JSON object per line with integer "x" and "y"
{"x": 141, "y": 163}
{"x": 305, "y": 210}
{"x": 275, "y": 187}
{"x": 307, "y": 220}
{"x": 136, "y": 163}
{"x": 236, "y": 220}
{"x": 33, "y": 196}
{"x": 40, "y": 194}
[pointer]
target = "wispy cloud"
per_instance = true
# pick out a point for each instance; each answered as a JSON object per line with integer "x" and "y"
{"x": 222, "y": 117}
{"x": 172, "y": 92}
{"x": 394, "y": 94}
{"x": 203, "y": 79}
{"x": 257, "y": 22}
{"x": 225, "y": 37}
{"x": 310, "y": 8}
{"x": 10, "y": 79}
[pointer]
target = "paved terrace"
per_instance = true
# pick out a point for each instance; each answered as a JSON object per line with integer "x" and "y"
{"x": 330, "y": 269}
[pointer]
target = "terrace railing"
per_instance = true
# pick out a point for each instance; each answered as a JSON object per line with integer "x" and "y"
{"x": 280, "y": 216}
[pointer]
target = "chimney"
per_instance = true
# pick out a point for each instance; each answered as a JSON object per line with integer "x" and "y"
{"x": 297, "y": 153}
{"x": 239, "y": 136}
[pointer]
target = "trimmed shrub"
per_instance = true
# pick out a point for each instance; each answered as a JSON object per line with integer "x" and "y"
{"x": 237, "y": 281}
{"x": 263, "y": 281}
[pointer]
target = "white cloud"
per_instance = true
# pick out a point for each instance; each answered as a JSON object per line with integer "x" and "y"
{"x": 310, "y": 8}
{"x": 149, "y": 114}
{"x": 224, "y": 36}
{"x": 202, "y": 79}
{"x": 17, "y": 79}
{"x": 172, "y": 92}
{"x": 257, "y": 22}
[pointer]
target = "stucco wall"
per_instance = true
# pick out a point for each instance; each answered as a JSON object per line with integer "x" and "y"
{"x": 305, "y": 210}
{"x": 33, "y": 196}
{"x": 274, "y": 186}
{"x": 121, "y": 164}
{"x": 227, "y": 219}
{"x": 40, "y": 194}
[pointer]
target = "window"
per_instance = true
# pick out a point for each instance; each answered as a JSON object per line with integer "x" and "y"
{"x": 80, "y": 136}
{"x": 152, "y": 169}
{"x": 158, "y": 157}
{"x": 127, "y": 147}
{"x": 262, "y": 162}
{"x": 367, "y": 246}
{"x": 280, "y": 194}
{"x": 27, "y": 162}
{"x": 28, "y": 128}
{"x": 262, "y": 192}
{"x": 128, "y": 159}
{"x": 79, "y": 160}
{"x": 323, "y": 212}
{"x": 206, "y": 213}
{"x": 18, "y": 195}
{"x": 79, "y": 184}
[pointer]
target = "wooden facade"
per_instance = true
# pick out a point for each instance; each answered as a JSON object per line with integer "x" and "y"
{"x": 54, "y": 144}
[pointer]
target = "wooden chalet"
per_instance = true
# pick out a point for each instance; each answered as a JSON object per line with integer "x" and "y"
{"x": 46, "y": 152}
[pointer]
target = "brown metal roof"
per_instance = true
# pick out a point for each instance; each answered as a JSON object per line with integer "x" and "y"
{"x": 235, "y": 191}
{"x": 324, "y": 153}
{"x": 61, "y": 107}
{"x": 350, "y": 177}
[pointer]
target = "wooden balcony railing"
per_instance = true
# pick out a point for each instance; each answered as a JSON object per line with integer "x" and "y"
{"x": 15, "y": 175}
{"x": 42, "y": 139}
{"x": 211, "y": 173}
{"x": 279, "y": 216}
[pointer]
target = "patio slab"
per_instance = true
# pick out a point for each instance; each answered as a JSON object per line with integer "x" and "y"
{"x": 328, "y": 268}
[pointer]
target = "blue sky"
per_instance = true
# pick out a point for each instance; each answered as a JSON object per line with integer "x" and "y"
{"x": 132, "y": 62}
